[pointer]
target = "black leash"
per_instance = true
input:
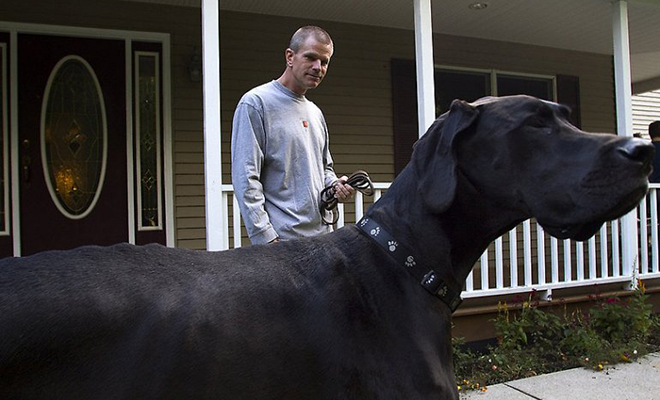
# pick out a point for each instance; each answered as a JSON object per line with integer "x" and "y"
{"x": 359, "y": 180}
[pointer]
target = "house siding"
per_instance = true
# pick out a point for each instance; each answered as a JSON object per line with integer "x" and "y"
{"x": 646, "y": 109}
{"x": 355, "y": 97}
{"x": 356, "y": 94}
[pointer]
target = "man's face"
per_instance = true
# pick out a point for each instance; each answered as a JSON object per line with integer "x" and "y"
{"x": 309, "y": 64}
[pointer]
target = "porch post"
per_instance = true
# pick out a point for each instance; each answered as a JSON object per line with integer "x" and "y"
{"x": 424, "y": 63}
{"x": 623, "y": 88}
{"x": 214, "y": 204}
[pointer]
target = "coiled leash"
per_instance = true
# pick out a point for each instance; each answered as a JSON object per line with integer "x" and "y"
{"x": 359, "y": 180}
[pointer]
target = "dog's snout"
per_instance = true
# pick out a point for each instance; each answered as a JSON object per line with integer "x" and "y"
{"x": 637, "y": 150}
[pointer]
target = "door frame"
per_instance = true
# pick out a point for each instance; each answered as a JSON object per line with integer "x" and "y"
{"x": 128, "y": 37}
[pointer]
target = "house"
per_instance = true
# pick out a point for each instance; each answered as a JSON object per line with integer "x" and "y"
{"x": 646, "y": 109}
{"x": 161, "y": 78}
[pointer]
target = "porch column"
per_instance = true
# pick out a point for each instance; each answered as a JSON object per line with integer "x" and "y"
{"x": 623, "y": 88}
{"x": 216, "y": 239}
{"x": 424, "y": 63}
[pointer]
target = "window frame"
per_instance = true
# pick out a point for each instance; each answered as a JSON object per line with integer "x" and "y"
{"x": 137, "y": 137}
{"x": 564, "y": 88}
{"x": 495, "y": 72}
{"x": 4, "y": 131}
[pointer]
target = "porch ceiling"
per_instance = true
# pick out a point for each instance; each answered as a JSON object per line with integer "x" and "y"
{"x": 582, "y": 25}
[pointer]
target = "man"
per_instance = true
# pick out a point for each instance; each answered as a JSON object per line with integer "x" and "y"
{"x": 654, "y": 132}
{"x": 280, "y": 153}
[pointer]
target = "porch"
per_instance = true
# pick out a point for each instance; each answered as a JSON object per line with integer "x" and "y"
{"x": 526, "y": 259}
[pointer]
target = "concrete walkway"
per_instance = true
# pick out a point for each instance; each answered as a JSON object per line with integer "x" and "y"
{"x": 639, "y": 380}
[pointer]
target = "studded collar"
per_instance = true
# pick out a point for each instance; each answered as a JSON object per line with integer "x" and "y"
{"x": 427, "y": 277}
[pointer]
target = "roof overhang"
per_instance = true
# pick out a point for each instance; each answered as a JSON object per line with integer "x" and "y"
{"x": 581, "y": 25}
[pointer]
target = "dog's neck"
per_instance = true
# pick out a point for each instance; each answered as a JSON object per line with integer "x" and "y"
{"x": 469, "y": 225}
{"x": 473, "y": 221}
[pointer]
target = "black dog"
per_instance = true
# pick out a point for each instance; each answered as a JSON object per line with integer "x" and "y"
{"x": 362, "y": 313}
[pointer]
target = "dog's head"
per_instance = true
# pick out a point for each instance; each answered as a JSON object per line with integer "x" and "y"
{"x": 522, "y": 154}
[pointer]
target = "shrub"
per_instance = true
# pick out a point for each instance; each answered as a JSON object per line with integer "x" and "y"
{"x": 535, "y": 341}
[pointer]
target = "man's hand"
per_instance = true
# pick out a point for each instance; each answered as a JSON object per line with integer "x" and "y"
{"x": 343, "y": 191}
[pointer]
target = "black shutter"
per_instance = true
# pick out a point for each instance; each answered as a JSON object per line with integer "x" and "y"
{"x": 404, "y": 110}
{"x": 568, "y": 93}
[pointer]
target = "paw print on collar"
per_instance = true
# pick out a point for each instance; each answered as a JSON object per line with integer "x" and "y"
{"x": 410, "y": 262}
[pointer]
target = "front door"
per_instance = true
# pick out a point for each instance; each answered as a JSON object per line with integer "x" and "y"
{"x": 72, "y": 142}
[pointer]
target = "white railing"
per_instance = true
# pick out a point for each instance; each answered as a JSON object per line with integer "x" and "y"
{"x": 526, "y": 258}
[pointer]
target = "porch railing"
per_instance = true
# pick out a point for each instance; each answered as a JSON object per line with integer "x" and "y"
{"x": 526, "y": 258}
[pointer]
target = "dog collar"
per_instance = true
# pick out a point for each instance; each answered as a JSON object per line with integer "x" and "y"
{"x": 428, "y": 278}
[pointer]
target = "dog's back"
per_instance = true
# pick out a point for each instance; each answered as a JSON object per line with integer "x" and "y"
{"x": 127, "y": 321}
{"x": 72, "y": 322}
{"x": 286, "y": 321}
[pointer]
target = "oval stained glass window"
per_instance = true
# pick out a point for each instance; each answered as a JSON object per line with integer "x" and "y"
{"x": 73, "y": 137}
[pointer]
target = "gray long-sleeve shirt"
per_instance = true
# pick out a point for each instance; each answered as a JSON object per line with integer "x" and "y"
{"x": 280, "y": 163}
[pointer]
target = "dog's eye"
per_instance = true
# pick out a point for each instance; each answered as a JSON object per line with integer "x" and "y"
{"x": 540, "y": 124}
{"x": 537, "y": 122}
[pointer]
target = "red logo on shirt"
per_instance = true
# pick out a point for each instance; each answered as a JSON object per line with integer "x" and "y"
{"x": 305, "y": 123}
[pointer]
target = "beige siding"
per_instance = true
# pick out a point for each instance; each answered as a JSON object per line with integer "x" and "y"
{"x": 355, "y": 97}
{"x": 356, "y": 94}
{"x": 646, "y": 109}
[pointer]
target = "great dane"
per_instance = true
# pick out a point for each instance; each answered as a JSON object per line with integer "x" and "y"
{"x": 361, "y": 313}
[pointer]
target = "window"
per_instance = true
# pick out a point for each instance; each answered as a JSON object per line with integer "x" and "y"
{"x": 540, "y": 87}
{"x": 74, "y": 137}
{"x": 469, "y": 85}
{"x": 148, "y": 138}
{"x": 464, "y": 85}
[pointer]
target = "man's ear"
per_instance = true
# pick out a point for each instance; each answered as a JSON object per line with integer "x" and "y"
{"x": 288, "y": 56}
{"x": 434, "y": 157}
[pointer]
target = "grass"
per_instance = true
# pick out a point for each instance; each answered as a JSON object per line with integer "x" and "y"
{"x": 533, "y": 341}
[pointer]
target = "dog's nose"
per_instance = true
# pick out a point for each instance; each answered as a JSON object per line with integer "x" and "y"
{"x": 637, "y": 150}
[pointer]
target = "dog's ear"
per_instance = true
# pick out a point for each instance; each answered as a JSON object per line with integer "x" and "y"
{"x": 434, "y": 156}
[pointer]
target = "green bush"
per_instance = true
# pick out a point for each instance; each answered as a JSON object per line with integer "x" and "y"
{"x": 534, "y": 341}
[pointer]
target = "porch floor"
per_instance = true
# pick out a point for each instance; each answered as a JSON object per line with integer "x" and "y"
{"x": 637, "y": 380}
